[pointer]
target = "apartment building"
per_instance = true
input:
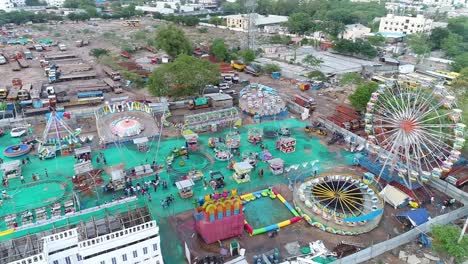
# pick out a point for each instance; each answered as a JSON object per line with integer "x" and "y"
{"x": 405, "y": 24}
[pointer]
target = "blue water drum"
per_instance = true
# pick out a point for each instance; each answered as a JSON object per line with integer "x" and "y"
{"x": 255, "y": 258}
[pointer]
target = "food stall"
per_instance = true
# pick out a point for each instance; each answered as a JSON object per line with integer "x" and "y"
{"x": 11, "y": 169}
{"x": 276, "y": 166}
{"x": 141, "y": 143}
{"x": 241, "y": 172}
{"x": 185, "y": 188}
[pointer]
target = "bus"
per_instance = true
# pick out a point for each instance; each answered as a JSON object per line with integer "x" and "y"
{"x": 114, "y": 75}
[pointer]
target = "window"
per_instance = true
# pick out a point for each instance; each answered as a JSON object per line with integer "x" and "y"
{"x": 145, "y": 250}
{"x": 114, "y": 261}
{"x": 67, "y": 260}
{"x": 78, "y": 256}
{"x": 155, "y": 247}
{"x": 135, "y": 254}
{"x": 124, "y": 257}
{"x": 55, "y": 262}
{"x": 103, "y": 262}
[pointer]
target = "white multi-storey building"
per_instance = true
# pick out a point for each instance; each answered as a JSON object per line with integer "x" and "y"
{"x": 106, "y": 241}
{"x": 57, "y": 3}
{"x": 355, "y": 31}
{"x": 18, "y": 2}
{"x": 405, "y": 24}
{"x": 6, "y": 5}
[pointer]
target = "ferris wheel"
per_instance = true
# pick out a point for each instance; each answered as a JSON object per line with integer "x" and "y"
{"x": 414, "y": 132}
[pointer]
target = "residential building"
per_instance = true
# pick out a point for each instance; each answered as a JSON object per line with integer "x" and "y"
{"x": 6, "y": 5}
{"x": 129, "y": 236}
{"x": 18, "y": 3}
{"x": 397, "y": 8}
{"x": 57, "y": 3}
{"x": 355, "y": 31}
{"x": 405, "y": 24}
{"x": 439, "y": 3}
{"x": 241, "y": 21}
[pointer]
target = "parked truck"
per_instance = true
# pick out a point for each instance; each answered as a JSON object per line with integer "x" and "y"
{"x": 23, "y": 63}
{"x": 238, "y": 65}
{"x": 62, "y": 47}
{"x": 305, "y": 101}
{"x": 38, "y": 47}
{"x": 3, "y": 60}
{"x": 28, "y": 55}
{"x": 114, "y": 75}
{"x": 199, "y": 103}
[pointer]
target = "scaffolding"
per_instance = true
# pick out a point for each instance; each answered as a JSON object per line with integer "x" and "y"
{"x": 32, "y": 244}
{"x": 210, "y": 121}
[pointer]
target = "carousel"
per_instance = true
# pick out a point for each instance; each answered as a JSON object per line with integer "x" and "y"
{"x": 233, "y": 140}
{"x": 254, "y": 135}
{"x": 340, "y": 203}
{"x": 262, "y": 102}
{"x": 222, "y": 152}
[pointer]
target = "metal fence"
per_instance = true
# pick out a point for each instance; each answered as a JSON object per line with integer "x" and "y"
{"x": 378, "y": 249}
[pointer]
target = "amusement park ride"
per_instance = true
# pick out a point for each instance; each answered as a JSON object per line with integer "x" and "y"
{"x": 415, "y": 133}
{"x": 57, "y": 136}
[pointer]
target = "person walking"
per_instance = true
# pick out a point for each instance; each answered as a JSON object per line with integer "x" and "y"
{"x": 22, "y": 179}
{"x": 46, "y": 173}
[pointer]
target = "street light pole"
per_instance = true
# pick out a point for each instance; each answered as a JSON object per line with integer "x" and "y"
{"x": 463, "y": 231}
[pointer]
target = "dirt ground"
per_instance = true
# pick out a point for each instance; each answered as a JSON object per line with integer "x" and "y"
{"x": 184, "y": 225}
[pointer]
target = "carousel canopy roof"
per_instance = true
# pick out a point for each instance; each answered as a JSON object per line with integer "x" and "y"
{"x": 141, "y": 140}
{"x": 184, "y": 184}
{"x": 83, "y": 150}
{"x": 11, "y": 165}
{"x": 243, "y": 166}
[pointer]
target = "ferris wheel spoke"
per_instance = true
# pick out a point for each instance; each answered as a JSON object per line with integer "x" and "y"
{"x": 438, "y": 136}
{"x": 380, "y": 118}
{"x": 435, "y": 143}
{"x": 443, "y": 135}
{"x": 420, "y": 121}
{"x": 430, "y": 153}
{"x": 390, "y": 138}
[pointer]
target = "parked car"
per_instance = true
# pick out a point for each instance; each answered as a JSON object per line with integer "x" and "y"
{"x": 224, "y": 86}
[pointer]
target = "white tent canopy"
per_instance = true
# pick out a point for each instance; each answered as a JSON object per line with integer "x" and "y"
{"x": 394, "y": 196}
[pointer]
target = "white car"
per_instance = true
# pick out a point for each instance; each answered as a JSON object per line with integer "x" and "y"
{"x": 224, "y": 86}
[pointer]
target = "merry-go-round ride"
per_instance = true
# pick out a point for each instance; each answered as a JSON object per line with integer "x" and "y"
{"x": 339, "y": 203}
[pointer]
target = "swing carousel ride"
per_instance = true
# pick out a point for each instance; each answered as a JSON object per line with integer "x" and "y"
{"x": 57, "y": 136}
{"x": 414, "y": 133}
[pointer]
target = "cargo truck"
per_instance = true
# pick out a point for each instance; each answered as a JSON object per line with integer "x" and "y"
{"x": 62, "y": 47}
{"x": 199, "y": 103}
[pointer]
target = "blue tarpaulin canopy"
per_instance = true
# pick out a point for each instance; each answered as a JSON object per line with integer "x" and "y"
{"x": 416, "y": 217}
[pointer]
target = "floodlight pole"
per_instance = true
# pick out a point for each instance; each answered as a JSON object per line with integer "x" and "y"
{"x": 463, "y": 231}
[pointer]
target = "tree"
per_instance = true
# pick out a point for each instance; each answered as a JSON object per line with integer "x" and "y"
{"x": 186, "y": 76}
{"x": 173, "y": 41}
{"x": 135, "y": 78}
{"x": 361, "y": 96}
{"x": 446, "y": 241}
{"x": 78, "y": 3}
{"x": 278, "y": 39}
{"x": 270, "y": 68}
{"x": 459, "y": 26}
{"x": 437, "y": 36}
{"x": 78, "y": 16}
{"x": 312, "y": 61}
{"x": 453, "y": 45}
{"x": 219, "y": 49}
{"x": 351, "y": 78}
{"x": 419, "y": 43}
{"x": 460, "y": 62}
{"x": 317, "y": 75}
{"x": 247, "y": 55}
{"x": 376, "y": 40}
{"x": 216, "y": 21}
{"x": 358, "y": 47}
{"x": 299, "y": 23}
{"x": 99, "y": 52}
